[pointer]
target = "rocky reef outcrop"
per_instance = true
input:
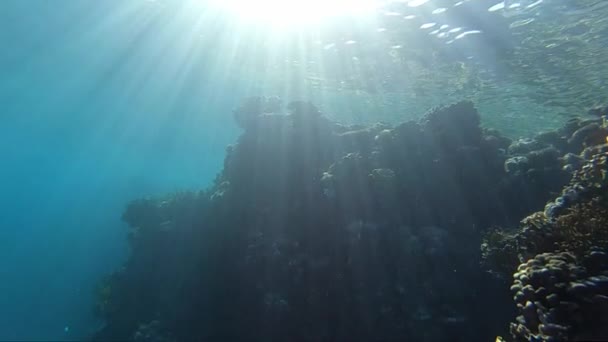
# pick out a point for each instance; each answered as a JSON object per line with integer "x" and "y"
{"x": 319, "y": 231}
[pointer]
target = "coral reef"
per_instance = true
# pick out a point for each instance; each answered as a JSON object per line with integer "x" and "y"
{"x": 318, "y": 231}
{"x": 561, "y": 283}
{"x": 163, "y": 235}
{"x": 559, "y": 299}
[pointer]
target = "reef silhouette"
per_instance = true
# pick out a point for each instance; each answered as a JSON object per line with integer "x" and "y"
{"x": 318, "y": 231}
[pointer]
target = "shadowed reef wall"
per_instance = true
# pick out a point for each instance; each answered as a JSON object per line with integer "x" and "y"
{"x": 317, "y": 231}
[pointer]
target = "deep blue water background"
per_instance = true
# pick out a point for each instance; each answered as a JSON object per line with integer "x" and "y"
{"x": 93, "y": 115}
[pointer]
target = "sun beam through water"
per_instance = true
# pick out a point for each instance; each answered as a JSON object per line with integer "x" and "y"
{"x": 294, "y": 13}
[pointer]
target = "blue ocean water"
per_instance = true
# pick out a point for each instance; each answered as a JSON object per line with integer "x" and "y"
{"x": 86, "y": 126}
{"x": 106, "y": 102}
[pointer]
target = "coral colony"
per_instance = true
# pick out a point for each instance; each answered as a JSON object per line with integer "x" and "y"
{"x": 318, "y": 231}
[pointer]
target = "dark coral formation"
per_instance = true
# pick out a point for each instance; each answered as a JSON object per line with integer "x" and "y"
{"x": 317, "y": 231}
{"x": 571, "y": 222}
{"x": 561, "y": 284}
{"x": 164, "y": 237}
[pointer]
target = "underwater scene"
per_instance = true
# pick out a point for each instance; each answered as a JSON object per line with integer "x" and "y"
{"x": 304, "y": 170}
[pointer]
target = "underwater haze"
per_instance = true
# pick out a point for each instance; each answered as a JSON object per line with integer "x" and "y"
{"x": 366, "y": 170}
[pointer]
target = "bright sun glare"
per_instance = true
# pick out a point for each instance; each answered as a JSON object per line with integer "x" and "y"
{"x": 295, "y": 12}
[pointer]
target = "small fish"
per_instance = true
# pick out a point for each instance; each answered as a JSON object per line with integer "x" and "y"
{"x": 498, "y": 6}
{"x": 466, "y": 33}
{"x": 534, "y": 4}
{"x": 416, "y": 3}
